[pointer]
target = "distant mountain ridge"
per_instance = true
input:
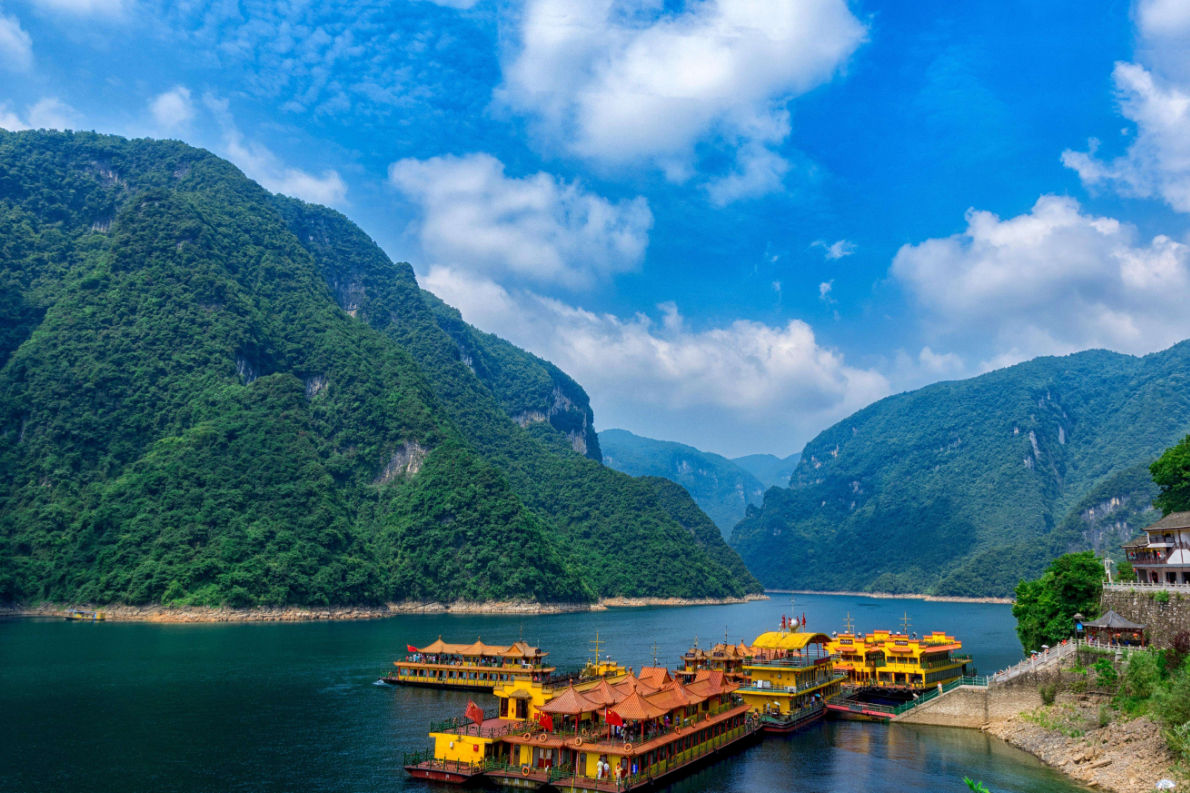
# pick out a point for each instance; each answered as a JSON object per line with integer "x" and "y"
{"x": 210, "y": 395}
{"x": 963, "y": 488}
{"x": 718, "y": 485}
{"x": 769, "y": 469}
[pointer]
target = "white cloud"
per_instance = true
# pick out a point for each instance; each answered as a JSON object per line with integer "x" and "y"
{"x": 16, "y": 47}
{"x": 835, "y": 250}
{"x": 52, "y": 113}
{"x": 259, "y": 163}
{"x": 623, "y": 81}
{"x": 47, "y": 113}
{"x": 1162, "y": 18}
{"x": 824, "y": 291}
{"x": 1051, "y": 281}
{"x": 83, "y": 7}
{"x": 173, "y": 109}
{"x": 739, "y": 387}
{"x": 1158, "y": 161}
{"x": 537, "y": 228}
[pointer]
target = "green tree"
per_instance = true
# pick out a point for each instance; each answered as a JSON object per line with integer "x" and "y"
{"x": 1045, "y": 608}
{"x": 1171, "y": 472}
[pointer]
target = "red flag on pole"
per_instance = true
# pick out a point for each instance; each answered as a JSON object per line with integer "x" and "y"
{"x": 411, "y": 648}
{"x": 803, "y": 619}
{"x": 613, "y": 718}
{"x": 474, "y": 712}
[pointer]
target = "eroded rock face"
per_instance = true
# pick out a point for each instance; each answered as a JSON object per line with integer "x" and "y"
{"x": 1123, "y": 756}
{"x": 406, "y": 460}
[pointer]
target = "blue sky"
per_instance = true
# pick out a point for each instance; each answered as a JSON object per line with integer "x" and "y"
{"x": 733, "y": 221}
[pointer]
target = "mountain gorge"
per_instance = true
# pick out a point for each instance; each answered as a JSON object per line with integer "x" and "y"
{"x": 718, "y": 485}
{"x": 213, "y": 395}
{"x": 964, "y": 488}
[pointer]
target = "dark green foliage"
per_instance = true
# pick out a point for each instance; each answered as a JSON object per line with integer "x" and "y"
{"x": 721, "y": 488}
{"x": 188, "y": 415}
{"x": 1171, "y": 472}
{"x": 965, "y": 488}
{"x": 609, "y": 526}
{"x": 1045, "y": 608}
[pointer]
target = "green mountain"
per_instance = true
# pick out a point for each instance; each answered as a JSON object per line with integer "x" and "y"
{"x": 720, "y": 487}
{"x": 210, "y": 394}
{"x": 964, "y": 488}
{"x": 771, "y": 470}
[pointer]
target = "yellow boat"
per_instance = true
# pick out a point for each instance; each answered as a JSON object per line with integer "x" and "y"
{"x": 790, "y": 677}
{"x": 475, "y": 666}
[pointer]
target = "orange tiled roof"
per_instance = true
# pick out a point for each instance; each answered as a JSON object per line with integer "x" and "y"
{"x": 674, "y": 695}
{"x": 570, "y": 703}
{"x": 655, "y": 675}
{"x": 635, "y": 707}
{"x": 602, "y": 693}
{"x": 631, "y": 682}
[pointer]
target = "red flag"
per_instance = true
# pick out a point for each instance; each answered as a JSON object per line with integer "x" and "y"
{"x": 545, "y": 721}
{"x": 411, "y": 648}
{"x": 803, "y": 619}
{"x": 474, "y": 712}
{"x": 613, "y": 718}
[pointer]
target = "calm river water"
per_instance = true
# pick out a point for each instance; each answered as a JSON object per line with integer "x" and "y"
{"x": 132, "y": 707}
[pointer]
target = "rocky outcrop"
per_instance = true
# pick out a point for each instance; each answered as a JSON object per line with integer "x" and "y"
{"x": 1122, "y": 756}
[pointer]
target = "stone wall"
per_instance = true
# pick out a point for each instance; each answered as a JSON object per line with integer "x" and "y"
{"x": 975, "y": 706}
{"x": 1162, "y": 621}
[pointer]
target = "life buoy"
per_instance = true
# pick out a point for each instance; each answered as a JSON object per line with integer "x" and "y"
{"x": 677, "y": 729}
{"x": 526, "y": 736}
{"x": 525, "y": 770}
{"x": 543, "y": 737}
{"x": 708, "y": 716}
{"x": 578, "y": 742}
{"x": 627, "y": 747}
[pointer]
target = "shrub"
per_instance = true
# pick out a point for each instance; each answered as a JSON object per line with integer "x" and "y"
{"x": 1048, "y": 691}
{"x": 1105, "y": 673}
{"x": 1161, "y": 597}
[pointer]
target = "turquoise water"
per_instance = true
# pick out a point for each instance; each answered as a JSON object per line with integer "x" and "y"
{"x": 266, "y": 707}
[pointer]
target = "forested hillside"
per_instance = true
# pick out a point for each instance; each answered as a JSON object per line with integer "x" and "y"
{"x": 720, "y": 487}
{"x": 213, "y": 395}
{"x": 966, "y": 487}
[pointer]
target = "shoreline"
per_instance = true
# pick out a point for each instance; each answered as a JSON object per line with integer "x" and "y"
{"x": 895, "y": 596}
{"x": 213, "y": 614}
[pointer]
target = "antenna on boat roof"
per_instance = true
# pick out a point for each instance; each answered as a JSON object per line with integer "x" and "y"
{"x": 597, "y": 644}
{"x": 848, "y": 625}
{"x": 654, "y": 653}
{"x": 906, "y": 624}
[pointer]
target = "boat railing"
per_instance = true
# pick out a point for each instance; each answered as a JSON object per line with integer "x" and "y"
{"x": 461, "y": 723}
{"x": 796, "y": 662}
{"x": 755, "y": 689}
{"x": 425, "y": 759}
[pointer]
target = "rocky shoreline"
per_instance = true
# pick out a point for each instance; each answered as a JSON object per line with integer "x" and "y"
{"x": 1121, "y": 756}
{"x": 195, "y": 614}
{"x": 893, "y": 596}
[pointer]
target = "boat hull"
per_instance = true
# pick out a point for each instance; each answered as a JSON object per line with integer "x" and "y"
{"x": 792, "y": 722}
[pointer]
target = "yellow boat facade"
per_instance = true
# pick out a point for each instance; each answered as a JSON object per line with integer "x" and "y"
{"x": 884, "y": 659}
{"x": 476, "y": 666}
{"x": 790, "y": 677}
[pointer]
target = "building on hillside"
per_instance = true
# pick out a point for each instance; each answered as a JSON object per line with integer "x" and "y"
{"x": 1162, "y": 554}
{"x": 1111, "y": 628}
